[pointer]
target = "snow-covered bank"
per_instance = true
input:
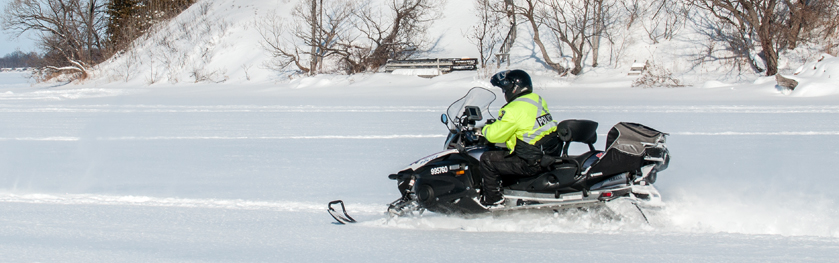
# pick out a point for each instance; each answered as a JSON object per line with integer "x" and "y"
{"x": 817, "y": 78}
{"x": 219, "y": 42}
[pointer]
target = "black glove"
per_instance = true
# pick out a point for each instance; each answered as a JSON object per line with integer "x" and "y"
{"x": 490, "y": 121}
{"x": 547, "y": 161}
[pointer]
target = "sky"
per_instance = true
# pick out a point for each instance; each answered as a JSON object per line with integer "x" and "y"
{"x": 8, "y": 42}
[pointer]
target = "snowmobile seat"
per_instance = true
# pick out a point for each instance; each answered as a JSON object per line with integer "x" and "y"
{"x": 584, "y": 131}
{"x": 565, "y": 172}
{"x": 585, "y": 159}
{"x": 561, "y": 176}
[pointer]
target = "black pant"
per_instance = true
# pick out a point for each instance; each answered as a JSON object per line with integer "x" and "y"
{"x": 501, "y": 164}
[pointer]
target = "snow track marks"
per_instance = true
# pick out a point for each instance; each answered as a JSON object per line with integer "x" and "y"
{"x": 235, "y": 204}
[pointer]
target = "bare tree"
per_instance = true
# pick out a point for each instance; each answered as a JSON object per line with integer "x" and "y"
{"x": 356, "y": 37}
{"x": 830, "y": 29}
{"x": 807, "y": 20}
{"x": 599, "y": 26}
{"x": 486, "y": 34}
{"x": 750, "y": 19}
{"x": 799, "y": 11}
{"x": 397, "y": 35}
{"x": 315, "y": 21}
{"x": 70, "y": 29}
{"x": 604, "y": 19}
{"x": 530, "y": 9}
{"x": 323, "y": 28}
{"x": 575, "y": 23}
{"x": 774, "y": 24}
{"x": 667, "y": 17}
{"x": 335, "y": 32}
{"x": 284, "y": 52}
{"x": 318, "y": 35}
{"x": 633, "y": 10}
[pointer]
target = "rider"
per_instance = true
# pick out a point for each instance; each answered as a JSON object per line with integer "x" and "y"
{"x": 527, "y": 128}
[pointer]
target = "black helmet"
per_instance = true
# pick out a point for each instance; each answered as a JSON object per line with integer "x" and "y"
{"x": 513, "y": 83}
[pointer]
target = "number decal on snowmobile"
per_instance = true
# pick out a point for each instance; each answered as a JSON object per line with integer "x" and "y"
{"x": 439, "y": 170}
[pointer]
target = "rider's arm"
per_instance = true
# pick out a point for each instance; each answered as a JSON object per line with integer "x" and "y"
{"x": 501, "y": 130}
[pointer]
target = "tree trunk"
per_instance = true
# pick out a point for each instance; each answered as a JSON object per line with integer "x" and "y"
{"x": 322, "y": 45}
{"x": 379, "y": 56}
{"x": 770, "y": 55}
{"x": 558, "y": 68}
{"x": 577, "y": 56}
{"x": 598, "y": 28}
{"x": 313, "y": 60}
{"x": 91, "y": 12}
{"x": 794, "y": 29}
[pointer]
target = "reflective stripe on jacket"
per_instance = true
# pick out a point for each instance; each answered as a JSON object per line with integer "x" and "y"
{"x": 526, "y": 118}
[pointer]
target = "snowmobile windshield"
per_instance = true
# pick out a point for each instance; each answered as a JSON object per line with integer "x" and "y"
{"x": 478, "y": 97}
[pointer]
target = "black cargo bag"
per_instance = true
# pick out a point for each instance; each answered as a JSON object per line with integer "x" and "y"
{"x": 626, "y": 147}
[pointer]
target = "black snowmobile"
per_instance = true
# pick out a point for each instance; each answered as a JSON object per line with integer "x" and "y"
{"x": 449, "y": 182}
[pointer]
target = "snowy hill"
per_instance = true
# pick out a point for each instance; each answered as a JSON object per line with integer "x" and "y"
{"x": 219, "y": 42}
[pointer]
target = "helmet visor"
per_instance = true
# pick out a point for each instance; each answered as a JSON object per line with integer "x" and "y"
{"x": 500, "y": 80}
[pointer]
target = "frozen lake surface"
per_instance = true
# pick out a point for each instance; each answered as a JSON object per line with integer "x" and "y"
{"x": 242, "y": 173}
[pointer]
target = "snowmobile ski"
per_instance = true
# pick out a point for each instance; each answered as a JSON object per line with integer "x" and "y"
{"x": 341, "y": 218}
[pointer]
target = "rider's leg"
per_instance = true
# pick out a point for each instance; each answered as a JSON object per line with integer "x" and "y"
{"x": 501, "y": 163}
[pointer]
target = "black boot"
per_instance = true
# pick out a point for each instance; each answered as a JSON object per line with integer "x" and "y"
{"x": 492, "y": 199}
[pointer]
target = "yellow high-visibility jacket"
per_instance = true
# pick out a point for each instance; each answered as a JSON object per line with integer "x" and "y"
{"x": 526, "y": 118}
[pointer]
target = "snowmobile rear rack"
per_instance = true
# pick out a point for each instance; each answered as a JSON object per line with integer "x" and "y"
{"x": 341, "y": 218}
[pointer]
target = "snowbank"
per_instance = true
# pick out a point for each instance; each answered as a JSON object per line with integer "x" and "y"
{"x": 818, "y": 78}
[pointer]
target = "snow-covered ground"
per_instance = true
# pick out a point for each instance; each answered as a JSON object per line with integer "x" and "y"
{"x": 242, "y": 173}
{"x": 140, "y": 163}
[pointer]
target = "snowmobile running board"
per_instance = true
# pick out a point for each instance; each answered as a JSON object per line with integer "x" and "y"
{"x": 342, "y": 219}
{"x": 566, "y": 205}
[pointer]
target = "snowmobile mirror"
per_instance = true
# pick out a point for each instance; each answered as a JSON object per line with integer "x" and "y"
{"x": 444, "y": 119}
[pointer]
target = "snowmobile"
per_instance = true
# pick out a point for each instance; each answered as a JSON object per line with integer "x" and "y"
{"x": 449, "y": 181}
